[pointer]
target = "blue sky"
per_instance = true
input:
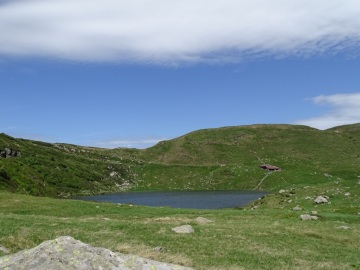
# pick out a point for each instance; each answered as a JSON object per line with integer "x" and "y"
{"x": 128, "y": 74}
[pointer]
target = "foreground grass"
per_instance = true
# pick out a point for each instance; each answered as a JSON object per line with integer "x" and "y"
{"x": 236, "y": 239}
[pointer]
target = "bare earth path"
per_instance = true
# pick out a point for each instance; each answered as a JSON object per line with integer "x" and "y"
{"x": 262, "y": 180}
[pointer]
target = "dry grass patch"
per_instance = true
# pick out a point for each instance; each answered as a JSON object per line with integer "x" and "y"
{"x": 168, "y": 220}
{"x": 301, "y": 264}
{"x": 17, "y": 242}
{"x": 150, "y": 253}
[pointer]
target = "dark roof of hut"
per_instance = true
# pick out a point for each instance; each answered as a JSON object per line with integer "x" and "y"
{"x": 269, "y": 167}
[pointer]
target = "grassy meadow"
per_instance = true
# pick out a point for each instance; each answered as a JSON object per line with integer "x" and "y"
{"x": 265, "y": 238}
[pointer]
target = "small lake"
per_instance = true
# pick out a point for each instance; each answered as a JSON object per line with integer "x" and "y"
{"x": 181, "y": 199}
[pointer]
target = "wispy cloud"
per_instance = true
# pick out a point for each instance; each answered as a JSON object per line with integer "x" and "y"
{"x": 139, "y": 143}
{"x": 345, "y": 109}
{"x": 172, "y": 31}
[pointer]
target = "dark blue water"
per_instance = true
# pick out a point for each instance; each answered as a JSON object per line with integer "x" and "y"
{"x": 181, "y": 199}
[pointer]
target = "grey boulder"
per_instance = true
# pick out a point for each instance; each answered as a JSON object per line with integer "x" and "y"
{"x": 66, "y": 253}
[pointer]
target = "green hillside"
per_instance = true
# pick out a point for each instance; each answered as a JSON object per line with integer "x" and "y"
{"x": 229, "y": 158}
{"x": 222, "y": 158}
{"x": 60, "y": 170}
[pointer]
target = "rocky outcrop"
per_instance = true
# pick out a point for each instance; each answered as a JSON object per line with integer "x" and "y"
{"x": 8, "y": 153}
{"x": 66, "y": 253}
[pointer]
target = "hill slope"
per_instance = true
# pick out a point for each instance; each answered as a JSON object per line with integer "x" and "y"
{"x": 234, "y": 145}
{"x": 229, "y": 157}
{"x": 60, "y": 170}
{"x": 223, "y": 158}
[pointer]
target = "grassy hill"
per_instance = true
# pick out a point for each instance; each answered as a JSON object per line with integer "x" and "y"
{"x": 229, "y": 158}
{"x": 60, "y": 169}
{"x": 223, "y": 158}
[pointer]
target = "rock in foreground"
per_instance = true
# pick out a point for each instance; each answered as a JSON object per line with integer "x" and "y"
{"x": 66, "y": 253}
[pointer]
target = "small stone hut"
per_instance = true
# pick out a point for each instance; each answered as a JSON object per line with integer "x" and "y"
{"x": 269, "y": 167}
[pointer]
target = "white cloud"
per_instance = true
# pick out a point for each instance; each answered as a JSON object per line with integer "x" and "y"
{"x": 130, "y": 143}
{"x": 173, "y": 31}
{"x": 345, "y": 110}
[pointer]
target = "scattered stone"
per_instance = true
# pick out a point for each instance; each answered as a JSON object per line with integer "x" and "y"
{"x": 307, "y": 198}
{"x": 308, "y": 217}
{"x": 344, "y": 227}
{"x": 4, "y": 250}
{"x": 183, "y": 229}
{"x": 66, "y": 253}
{"x": 281, "y": 191}
{"x": 159, "y": 249}
{"x": 305, "y": 217}
{"x": 113, "y": 174}
{"x": 347, "y": 194}
{"x": 107, "y": 219}
{"x": 297, "y": 208}
{"x": 321, "y": 199}
{"x": 202, "y": 220}
{"x": 314, "y": 212}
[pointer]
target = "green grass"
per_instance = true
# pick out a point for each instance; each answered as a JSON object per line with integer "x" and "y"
{"x": 266, "y": 238}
